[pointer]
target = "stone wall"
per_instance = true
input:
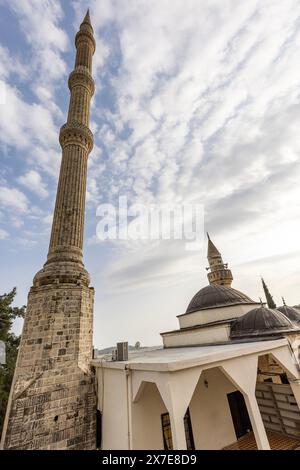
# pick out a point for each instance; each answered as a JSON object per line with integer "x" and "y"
{"x": 53, "y": 403}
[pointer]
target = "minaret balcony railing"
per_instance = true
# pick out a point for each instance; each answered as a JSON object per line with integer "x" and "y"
{"x": 84, "y": 35}
{"x": 220, "y": 274}
{"x": 81, "y": 76}
{"x": 75, "y": 133}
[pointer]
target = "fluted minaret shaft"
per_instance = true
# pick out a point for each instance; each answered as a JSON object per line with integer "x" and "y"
{"x": 76, "y": 141}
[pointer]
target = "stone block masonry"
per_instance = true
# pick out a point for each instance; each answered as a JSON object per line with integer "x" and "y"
{"x": 54, "y": 401}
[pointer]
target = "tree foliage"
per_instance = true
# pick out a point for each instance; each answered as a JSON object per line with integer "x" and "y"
{"x": 8, "y": 314}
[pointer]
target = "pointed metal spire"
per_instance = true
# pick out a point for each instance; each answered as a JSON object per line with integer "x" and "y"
{"x": 269, "y": 298}
{"x": 283, "y": 301}
{"x": 86, "y": 29}
{"x": 212, "y": 250}
{"x": 87, "y": 18}
{"x": 87, "y": 21}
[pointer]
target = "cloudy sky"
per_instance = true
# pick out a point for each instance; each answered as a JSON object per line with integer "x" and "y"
{"x": 197, "y": 101}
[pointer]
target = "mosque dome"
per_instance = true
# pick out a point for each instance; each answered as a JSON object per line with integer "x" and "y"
{"x": 214, "y": 295}
{"x": 290, "y": 312}
{"x": 259, "y": 322}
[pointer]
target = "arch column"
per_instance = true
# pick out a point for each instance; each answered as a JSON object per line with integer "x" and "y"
{"x": 177, "y": 395}
{"x": 243, "y": 373}
{"x": 257, "y": 422}
{"x": 178, "y": 431}
{"x": 176, "y": 390}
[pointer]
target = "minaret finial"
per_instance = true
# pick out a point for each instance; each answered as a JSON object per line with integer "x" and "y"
{"x": 86, "y": 23}
{"x": 261, "y": 302}
{"x": 283, "y": 301}
{"x": 87, "y": 18}
{"x": 269, "y": 298}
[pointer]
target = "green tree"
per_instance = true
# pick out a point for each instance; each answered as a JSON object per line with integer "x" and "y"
{"x": 7, "y": 316}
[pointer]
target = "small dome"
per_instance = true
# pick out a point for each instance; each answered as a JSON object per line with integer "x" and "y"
{"x": 215, "y": 295}
{"x": 290, "y": 312}
{"x": 259, "y": 322}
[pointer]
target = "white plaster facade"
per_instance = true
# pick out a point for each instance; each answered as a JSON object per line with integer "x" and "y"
{"x": 206, "y": 326}
{"x": 217, "y": 333}
{"x": 132, "y": 395}
{"x": 210, "y": 315}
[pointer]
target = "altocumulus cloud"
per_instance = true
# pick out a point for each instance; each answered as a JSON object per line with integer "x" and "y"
{"x": 33, "y": 181}
{"x": 207, "y": 96}
{"x": 204, "y": 108}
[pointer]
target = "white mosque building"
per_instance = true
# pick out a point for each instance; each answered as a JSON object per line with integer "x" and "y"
{"x": 227, "y": 378}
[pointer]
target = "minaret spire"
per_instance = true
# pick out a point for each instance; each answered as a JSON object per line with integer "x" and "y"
{"x": 52, "y": 403}
{"x": 219, "y": 272}
{"x": 269, "y": 298}
{"x": 87, "y": 18}
{"x": 212, "y": 250}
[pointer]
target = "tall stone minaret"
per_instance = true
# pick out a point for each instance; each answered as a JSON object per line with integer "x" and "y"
{"x": 52, "y": 403}
{"x": 219, "y": 272}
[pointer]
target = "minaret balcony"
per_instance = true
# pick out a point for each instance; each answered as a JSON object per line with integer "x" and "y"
{"x": 75, "y": 133}
{"x": 84, "y": 35}
{"x": 219, "y": 275}
{"x": 81, "y": 76}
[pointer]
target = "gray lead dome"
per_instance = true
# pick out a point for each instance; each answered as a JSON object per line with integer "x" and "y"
{"x": 259, "y": 322}
{"x": 214, "y": 295}
{"x": 290, "y": 313}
